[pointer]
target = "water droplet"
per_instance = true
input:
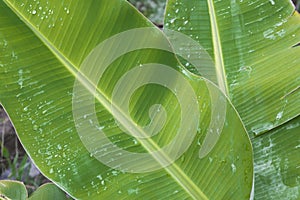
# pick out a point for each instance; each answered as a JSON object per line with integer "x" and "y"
{"x": 35, "y": 127}
{"x": 245, "y": 69}
{"x": 135, "y": 141}
{"x": 269, "y": 34}
{"x": 25, "y": 108}
{"x": 133, "y": 191}
{"x": 233, "y": 168}
{"x": 272, "y": 2}
{"x": 114, "y": 173}
{"x": 33, "y": 12}
{"x": 20, "y": 81}
{"x": 14, "y": 56}
{"x": 67, "y": 10}
{"x": 172, "y": 20}
{"x": 279, "y": 115}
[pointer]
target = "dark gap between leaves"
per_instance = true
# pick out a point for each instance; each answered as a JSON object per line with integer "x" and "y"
{"x": 296, "y": 45}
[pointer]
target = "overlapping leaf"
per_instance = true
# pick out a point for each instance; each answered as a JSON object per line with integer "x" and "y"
{"x": 277, "y": 163}
{"x": 251, "y": 43}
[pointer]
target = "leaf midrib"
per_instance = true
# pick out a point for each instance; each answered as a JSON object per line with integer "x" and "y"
{"x": 174, "y": 170}
{"x": 217, "y": 47}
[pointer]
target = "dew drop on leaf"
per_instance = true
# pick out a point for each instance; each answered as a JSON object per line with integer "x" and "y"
{"x": 279, "y": 115}
{"x": 233, "y": 168}
{"x": 133, "y": 191}
{"x": 35, "y": 127}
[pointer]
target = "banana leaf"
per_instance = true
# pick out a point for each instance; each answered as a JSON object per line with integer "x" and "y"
{"x": 277, "y": 163}
{"x": 255, "y": 61}
{"x": 12, "y": 190}
{"x": 48, "y": 191}
{"x": 253, "y": 48}
{"x": 105, "y": 110}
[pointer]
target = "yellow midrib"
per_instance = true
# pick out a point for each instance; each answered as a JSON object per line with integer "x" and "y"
{"x": 174, "y": 170}
{"x": 218, "y": 53}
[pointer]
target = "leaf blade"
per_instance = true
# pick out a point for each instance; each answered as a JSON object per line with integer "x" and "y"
{"x": 35, "y": 92}
{"x": 255, "y": 41}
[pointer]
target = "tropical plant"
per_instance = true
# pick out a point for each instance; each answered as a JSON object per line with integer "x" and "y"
{"x": 78, "y": 79}
{"x": 14, "y": 190}
{"x": 253, "y": 40}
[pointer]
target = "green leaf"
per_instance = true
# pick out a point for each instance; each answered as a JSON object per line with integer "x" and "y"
{"x": 51, "y": 61}
{"x": 48, "y": 191}
{"x": 251, "y": 45}
{"x": 15, "y": 190}
{"x": 277, "y": 164}
{"x": 12, "y": 190}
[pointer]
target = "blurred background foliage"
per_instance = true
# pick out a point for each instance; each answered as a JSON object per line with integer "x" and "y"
{"x": 14, "y": 163}
{"x": 152, "y": 9}
{"x": 297, "y": 4}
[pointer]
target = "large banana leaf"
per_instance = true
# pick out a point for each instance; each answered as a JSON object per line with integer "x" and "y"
{"x": 277, "y": 163}
{"x": 251, "y": 44}
{"x": 73, "y": 125}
